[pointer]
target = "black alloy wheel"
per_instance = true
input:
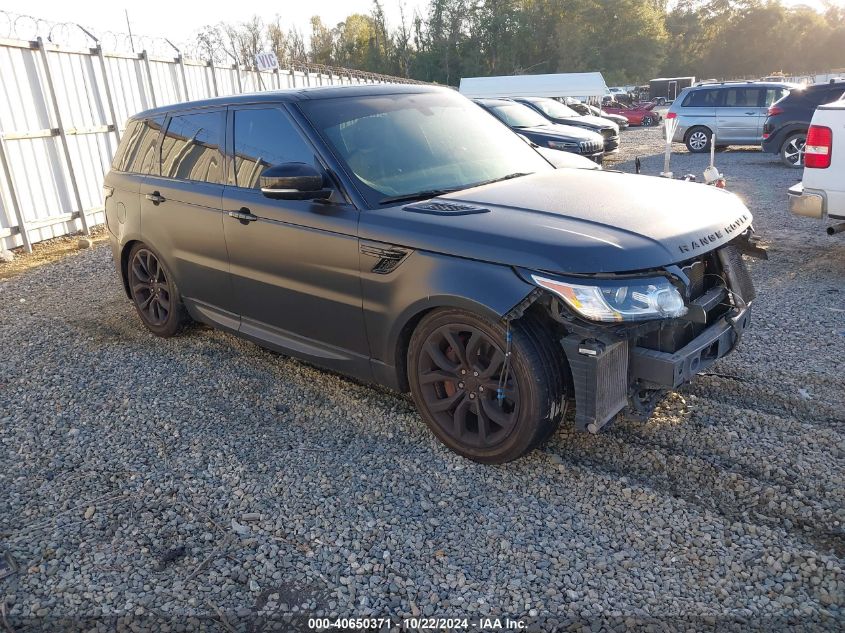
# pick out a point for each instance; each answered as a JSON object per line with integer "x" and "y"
{"x": 460, "y": 372}
{"x": 479, "y": 404}
{"x": 648, "y": 121}
{"x": 154, "y": 293}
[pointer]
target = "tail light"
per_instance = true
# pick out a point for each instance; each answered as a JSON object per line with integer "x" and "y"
{"x": 773, "y": 110}
{"x": 671, "y": 115}
{"x": 818, "y": 147}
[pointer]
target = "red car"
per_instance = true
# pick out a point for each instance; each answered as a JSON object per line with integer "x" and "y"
{"x": 640, "y": 114}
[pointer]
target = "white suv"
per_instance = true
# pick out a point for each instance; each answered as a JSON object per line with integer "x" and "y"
{"x": 821, "y": 194}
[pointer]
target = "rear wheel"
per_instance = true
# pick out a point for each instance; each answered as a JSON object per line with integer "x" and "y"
{"x": 456, "y": 366}
{"x": 792, "y": 150}
{"x": 698, "y": 139}
{"x": 154, "y": 292}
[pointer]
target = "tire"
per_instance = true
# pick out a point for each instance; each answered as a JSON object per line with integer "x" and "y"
{"x": 154, "y": 292}
{"x": 698, "y": 139}
{"x": 792, "y": 150}
{"x": 455, "y": 363}
{"x": 647, "y": 121}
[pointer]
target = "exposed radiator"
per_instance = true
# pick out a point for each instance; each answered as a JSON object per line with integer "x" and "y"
{"x": 736, "y": 273}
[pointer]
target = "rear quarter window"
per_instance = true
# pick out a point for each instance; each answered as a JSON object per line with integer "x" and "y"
{"x": 701, "y": 99}
{"x": 137, "y": 150}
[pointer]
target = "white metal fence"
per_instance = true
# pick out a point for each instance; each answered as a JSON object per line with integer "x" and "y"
{"x": 62, "y": 113}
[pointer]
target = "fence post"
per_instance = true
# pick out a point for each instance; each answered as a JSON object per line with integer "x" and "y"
{"x": 145, "y": 56}
{"x": 16, "y": 207}
{"x": 237, "y": 68}
{"x": 65, "y": 147}
{"x": 107, "y": 87}
{"x": 184, "y": 76}
{"x": 213, "y": 77}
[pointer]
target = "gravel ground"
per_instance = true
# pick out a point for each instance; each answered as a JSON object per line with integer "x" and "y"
{"x": 203, "y": 481}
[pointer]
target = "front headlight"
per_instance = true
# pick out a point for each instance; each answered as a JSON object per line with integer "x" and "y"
{"x": 564, "y": 145}
{"x": 628, "y": 300}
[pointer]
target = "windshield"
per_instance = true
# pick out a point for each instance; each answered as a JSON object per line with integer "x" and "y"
{"x": 518, "y": 115}
{"x": 554, "y": 109}
{"x": 400, "y": 144}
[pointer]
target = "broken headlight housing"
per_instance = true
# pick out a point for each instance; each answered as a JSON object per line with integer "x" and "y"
{"x": 618, "y": 299}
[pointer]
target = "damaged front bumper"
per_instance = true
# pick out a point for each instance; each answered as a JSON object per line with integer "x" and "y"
{"x": 635, "y": 364}
{"x": 610, "y": 375}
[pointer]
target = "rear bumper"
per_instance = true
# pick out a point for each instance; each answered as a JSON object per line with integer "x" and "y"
{"x": 809, "y": 203}
{"x": 771, "y": 144}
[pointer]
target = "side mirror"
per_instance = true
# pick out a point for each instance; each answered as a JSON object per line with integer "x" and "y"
{"x": 293, "y": 181}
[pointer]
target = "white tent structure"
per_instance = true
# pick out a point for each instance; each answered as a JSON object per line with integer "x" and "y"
{"x": 556, "y": 85}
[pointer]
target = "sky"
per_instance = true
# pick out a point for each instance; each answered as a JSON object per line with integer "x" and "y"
{"x": 185, "y": 18}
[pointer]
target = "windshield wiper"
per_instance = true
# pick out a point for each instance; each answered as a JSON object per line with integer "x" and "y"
{"x": 517, "y": 174}
{"x": 433, "y": 193}
{"x": 419, "y": 195}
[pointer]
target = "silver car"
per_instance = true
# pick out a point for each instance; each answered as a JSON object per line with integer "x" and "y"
{"x": 733, "y": 111}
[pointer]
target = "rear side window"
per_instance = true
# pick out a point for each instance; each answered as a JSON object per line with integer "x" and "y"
{"x": 742, "y": 97}
{"x": 265, "y": 137}
{"x": 137, "y": 150}
{"x": 701, "y": 99}
{"x": 774, "y": 94}
{"x": 190, "y": 149}
{"x": 834, "y": 94}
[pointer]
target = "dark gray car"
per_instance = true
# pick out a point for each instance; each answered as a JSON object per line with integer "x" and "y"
{"x": 401, "y": 235}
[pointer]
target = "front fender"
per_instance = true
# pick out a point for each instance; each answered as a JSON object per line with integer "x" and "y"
{"x": 395, "y": 302}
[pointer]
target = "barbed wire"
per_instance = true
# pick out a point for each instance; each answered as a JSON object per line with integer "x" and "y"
{"x": 207, "y": 44}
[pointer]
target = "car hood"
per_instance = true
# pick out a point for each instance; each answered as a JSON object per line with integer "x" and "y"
{"x": 569, "y": 221}
{"x": 563, "y": 132}
{"x": 590, "y": 120}
{"x": 616, "y": 118}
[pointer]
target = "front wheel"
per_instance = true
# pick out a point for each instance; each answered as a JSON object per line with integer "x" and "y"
{"x": 476, "y": 403}
{"x": 792, "y": 150}
{"x": 698, "y": 140}
{"x": 648, "y": 121}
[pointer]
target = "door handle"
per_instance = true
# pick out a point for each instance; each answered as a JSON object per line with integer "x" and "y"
{"x": 155, "y": 197}
{"x": 751, "y": 113}
{"x": 244, "y": 215}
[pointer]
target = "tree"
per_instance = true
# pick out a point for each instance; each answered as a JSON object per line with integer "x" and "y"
{"x": 629, "y": 41}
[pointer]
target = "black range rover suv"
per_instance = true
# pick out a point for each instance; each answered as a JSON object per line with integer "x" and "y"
{"x": 401, "y": 235}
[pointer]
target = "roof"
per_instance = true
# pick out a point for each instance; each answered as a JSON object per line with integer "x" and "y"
{"x": 296, "y": 94}
{"x": 767, "y": 84}
{"x": 553, "y": 85}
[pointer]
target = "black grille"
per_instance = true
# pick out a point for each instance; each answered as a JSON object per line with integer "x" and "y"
{"x": 590, "y": 147}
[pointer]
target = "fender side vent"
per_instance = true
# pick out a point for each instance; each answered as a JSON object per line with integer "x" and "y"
{"x": 388, "y": 257}
{"x": 445, "y": 208}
